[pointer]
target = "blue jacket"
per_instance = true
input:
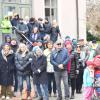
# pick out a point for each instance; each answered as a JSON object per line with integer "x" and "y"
{"x": 87, "y": 80}
{"x": 59, "y": 57}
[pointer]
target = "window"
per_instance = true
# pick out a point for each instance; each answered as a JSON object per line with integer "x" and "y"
{"x": 25, "y": 11}
{"x": 51, "y": 9}
{"x": 8, "y": 0}
{"x": 47, "y": 2}
{"x": 25, "y": 1}
{"x": 8, "y": 9}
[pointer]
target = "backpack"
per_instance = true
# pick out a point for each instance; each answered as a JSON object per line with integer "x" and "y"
{"x": 97, "y": 61}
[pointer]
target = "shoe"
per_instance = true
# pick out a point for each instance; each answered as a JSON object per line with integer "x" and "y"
{"x": 72, "y": 97}
{"x": 77, "y": 91}
{"x": 59, "y": 98}
{"x": 66, "y": 98}
{"x": 55, "y": 95}
{"x": 80, "y": 92}
{"x": 40, "y": 98}
{"x": 3, "y": 97}
{"x": 15, "y": 94}
{"x": 28, "y": 98}
{"x": 8, "y": 98}
{"x": 49, "y": 94}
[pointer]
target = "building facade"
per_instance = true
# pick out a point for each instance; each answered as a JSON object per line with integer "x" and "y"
{"x": 70, "y": 14}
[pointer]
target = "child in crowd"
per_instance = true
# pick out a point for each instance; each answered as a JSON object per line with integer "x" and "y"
{"x": 88, "y": 79}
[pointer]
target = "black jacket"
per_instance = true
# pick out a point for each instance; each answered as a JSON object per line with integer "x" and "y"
{"x": 39, "y": 63}
{"x": 6, "y": 70}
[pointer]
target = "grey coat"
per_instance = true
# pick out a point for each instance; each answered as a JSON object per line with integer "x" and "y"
{"x": 21, "y": 28}
{"x": 23, "y": 64}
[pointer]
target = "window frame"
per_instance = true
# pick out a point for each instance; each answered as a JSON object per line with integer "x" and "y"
{"x": 51, "y": 7}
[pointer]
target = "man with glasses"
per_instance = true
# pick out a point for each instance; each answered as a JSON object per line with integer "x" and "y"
{"x": 59, "y": 59}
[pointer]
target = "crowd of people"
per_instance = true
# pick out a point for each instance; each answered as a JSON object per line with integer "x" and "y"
{"x": 40, "y": 53}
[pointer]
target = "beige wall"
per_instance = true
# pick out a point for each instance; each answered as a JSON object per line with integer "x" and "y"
{"x": 82, "y": 19}
{"x": 67, "y": 17}
{"x": 38, "y": 8}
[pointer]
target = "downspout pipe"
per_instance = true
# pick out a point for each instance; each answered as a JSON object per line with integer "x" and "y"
{"x": 77, "y": 19}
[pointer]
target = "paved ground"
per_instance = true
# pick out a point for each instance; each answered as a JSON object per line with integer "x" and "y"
{"x": 77, "y": 96}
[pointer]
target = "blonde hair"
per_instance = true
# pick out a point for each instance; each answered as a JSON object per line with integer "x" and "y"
{"x": 54, "y": 23}
{"x": 24, "y": 46}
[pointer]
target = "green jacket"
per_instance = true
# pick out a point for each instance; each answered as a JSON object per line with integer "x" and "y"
{"x": 6, "y": 26}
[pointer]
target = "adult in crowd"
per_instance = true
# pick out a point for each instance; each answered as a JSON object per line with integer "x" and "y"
{"x": 47, "y": 29}
{"x": 59, "y": 59}
{"x": 74, "y": 44}
{"x": 7, "y": 39}
{"x": 73, "y": 66}
{"x": 6, "y": 27}
{"x": 34, "y": 37}
{"x": 47, "y": 26}
{"x": 55, "y": 31}
{"x": 6, "y": 71}
{"x": 50, "y": 70}
{"x": 15, "y": 20}
{"x": 32, "y": 23}
{"x": 84, "y": 54}
{"x": 98, "y": 50}
{"x": 23, "y": 66}
{"x": 21, "y": 29}
{"x": 39, "y": 65}
{"x": 79, "y": 78}
{"x": 14, "y": 47}
{"x": 41, "y": 28}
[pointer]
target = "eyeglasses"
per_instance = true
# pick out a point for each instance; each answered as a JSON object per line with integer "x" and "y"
{"x": 58, "y": 43}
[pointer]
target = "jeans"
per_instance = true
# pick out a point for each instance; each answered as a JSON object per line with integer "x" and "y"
{"x": 64, "y": 76}
{"x": 21, "y": 80}
{"x": 51, "y": 79}
{"x": 42, "y": 90}
{"x": 73, "y": 85}
{"x": 15, "y": 82}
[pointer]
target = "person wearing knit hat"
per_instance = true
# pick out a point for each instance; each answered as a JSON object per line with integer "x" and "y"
{"x": 90, "y": 62}
{"x": 38, "y": 66}
{"x": 72, "y": 67}
{"x": 59, "y": 59}
{"x": 88, "y": 80}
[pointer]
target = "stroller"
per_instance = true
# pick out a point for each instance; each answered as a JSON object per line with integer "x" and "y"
{"x": 96, "y": 85}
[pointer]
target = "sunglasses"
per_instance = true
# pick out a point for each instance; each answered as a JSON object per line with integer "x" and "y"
{"x": 58, "y": 43}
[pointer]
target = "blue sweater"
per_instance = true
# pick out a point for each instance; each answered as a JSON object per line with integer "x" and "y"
{"x": 87, "y": 80}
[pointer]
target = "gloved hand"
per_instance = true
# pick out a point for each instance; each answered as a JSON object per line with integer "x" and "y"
{"x": 77, "y": 71}
{"x": 30, "y": 59}
{"x": 23, "y": 32}
{"x": 37, "y": 72}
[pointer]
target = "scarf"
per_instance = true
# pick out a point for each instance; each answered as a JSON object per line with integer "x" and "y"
{"x": 5, "y": 56}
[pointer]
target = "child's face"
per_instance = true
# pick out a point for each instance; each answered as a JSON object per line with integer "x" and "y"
{"x": 91, "y": 66}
